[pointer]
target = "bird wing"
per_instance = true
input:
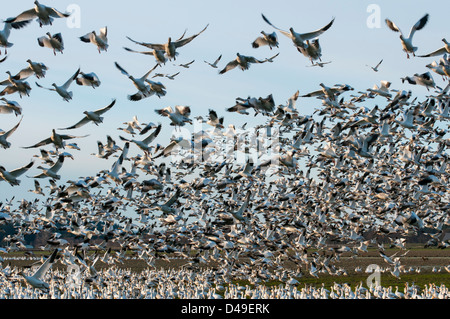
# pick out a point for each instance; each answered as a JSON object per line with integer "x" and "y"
{"x": 26, "y": 15}
{"x": 148, "y": 45}
{"x": 50, "y": 89}
{"x": 58, "y": 37}
{"x": 315, "y": 34}
{"x": 104, "y": 33}
{"x": 41, "y": 143}
{"x": 106, "y": 108}
{"x": 286, "y": 33}
{"x": 418, "y": 25}
{"x": 172, "y": 199}
{"x": 80, "y": 123}
{"x": 145, "y": 76}
{"x": 72, "y": 78}
{"x": 58, "y": 164}
{"x": 121, "y": 69}
{"x": 55, "y": 13}
{"x": 434, "y": 53}
{"x": 39, "y": 274}
{"x": 87, "y": 37}
{"x": 182, "y": 42}
{"x": 19, "y": 171}
{"x": 153, "y": 135}
{"x": 7, "y": 134}
{"x": 392, "y": 26}
{"x": 231, "y": 65}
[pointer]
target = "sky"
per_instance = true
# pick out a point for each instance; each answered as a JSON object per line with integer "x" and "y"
{"x": 358, "y": 38}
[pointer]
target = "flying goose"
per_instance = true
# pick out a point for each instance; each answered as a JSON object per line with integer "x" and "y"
{"x": 92, "y": 116}
{"x": 10, "y": 107}
{"x": 242, "y": 61}
{"x": 299, "y": 39}
{"x": 214, "y": 64}
{"x": 4, "y": 135}
{"x": 15, "y": 85}
{"x": 375, "y": 68}
{"x": 51, "y": 172}
{"x": 424, "y": 79}
{"x": 269, "y": 39}
{"x": 11, "y": 176}
{"x": 171, "y": 46}
{"x": 144, "y": 144}
{"x": 407, "y": 41}
{"x": 145, "y": 87}
{"x": 88, "y": 79}
{"x": 4, "y": 34}
{"x": 58, "y": 140}
{"x": 45, "y": 15}
{"x": 36, "y": 280}
{"x": 445, "y": 49}
{"x": 62, "y": 90}
{"x": 54, "y": 42}
{"x": 100, "y": 40}
{"x": 157, "y": 54}
{"x": 179, "y": 115}
{"x": 37, "y": 69}
{"x": 187, "y": 65}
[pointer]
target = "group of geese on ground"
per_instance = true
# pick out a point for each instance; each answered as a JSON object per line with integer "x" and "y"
{"x": 298, "y": 188}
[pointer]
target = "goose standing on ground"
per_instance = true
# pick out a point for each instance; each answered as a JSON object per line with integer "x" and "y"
{"x": 171, "y": 46}
{"x": 100, "y": 40}
{"x": 4, "y": 34}
{"x": 407, "y": 41}
{"x": 88, "y": 79}
{"x": 36, "y": 280}
{"x": 45, "y": 15}
{"x": 58, "y": 140}
{"x": 242, "y": 61}
{"x": 91, "y": 116}
{"x": 11, "y": 176}
{"x": 62, "y": 90}
{"x": 54, "y": 42}
{"x": 214, "y": 64}
{"x": 10, "y": 107}
{"x": 269, "y": 39}
{"x": 4, "y": 136}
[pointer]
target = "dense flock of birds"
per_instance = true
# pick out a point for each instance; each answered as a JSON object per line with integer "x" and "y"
{"x": 309, "y": 190}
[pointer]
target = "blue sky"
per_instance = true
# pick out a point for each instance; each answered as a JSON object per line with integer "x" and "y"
{"x": 350, "y": 44}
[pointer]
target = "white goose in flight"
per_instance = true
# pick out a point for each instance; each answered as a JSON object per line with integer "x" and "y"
{"x": 88, "y": 79}
{"x": 14, "y": 84}
{"x": 36, "y": 280}
{"x": 269, "y": 39}
{"x": 159, "y": 55}
{"x": 171, "y": 46}
{"x": 12, "y": 176}
{"x": 10, "y": 107}
{"x": 58, "y": 140}
{"x": 100, "y": 39}
{"x": 51, "y": 172}
{"x": 4, "y": 136}
{"x": 63, "y": 89}
{"x": 242, "y": 61}
{"x": 407, "y": 44}
{"x": 179, "y": 115}
{"x": 92, "y": 116}
{"x": 142, "y": 84}
{"x": 45, "y": 15}
{"x": 54, "y": 42}
{"x": 4, "y": 34}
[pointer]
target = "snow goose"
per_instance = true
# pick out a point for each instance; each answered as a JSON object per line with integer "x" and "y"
{"x": 144, "y": 144}
{"x": 63, "y": 89}
{"x": 269, "y": 39}
{"x": 407, "y": 41}
{"x": 10, "y": 107}
{"x": 88, "y": 79}
{"x": 242, "y": 61}
{"x": 54, "y": 42}
{"x": 4, "y": 34}
{"x": 299, "y": 39}
{"x": 179, "y": 115}
{"x": 45, "y": 15}
{"x": 445, "y": 49}
{"x": 92, "y": 116}
{"x": 157, "y": 54}
{"x": 375, "y": 68}
{"x": 58, "y": 140}
{"x": 424, "y": 79}
{"x": 11, "y": 176}
{"x": 171, "y": 46}
{"x": 214, "y": 64}
{"x": 14, "y": 84}
{"x": 36, "y": 280}
{"x": 37, "y": 69}
{"x": 51, "y": 172}
{"x": 142, "y": 84}
{"x": 4, "y": 135}
{"x": 187, "y": 65}
{"x": 100, "y": 40}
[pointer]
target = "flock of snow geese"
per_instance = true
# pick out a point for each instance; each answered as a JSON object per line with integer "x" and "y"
{"x": 335, "y": 176}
